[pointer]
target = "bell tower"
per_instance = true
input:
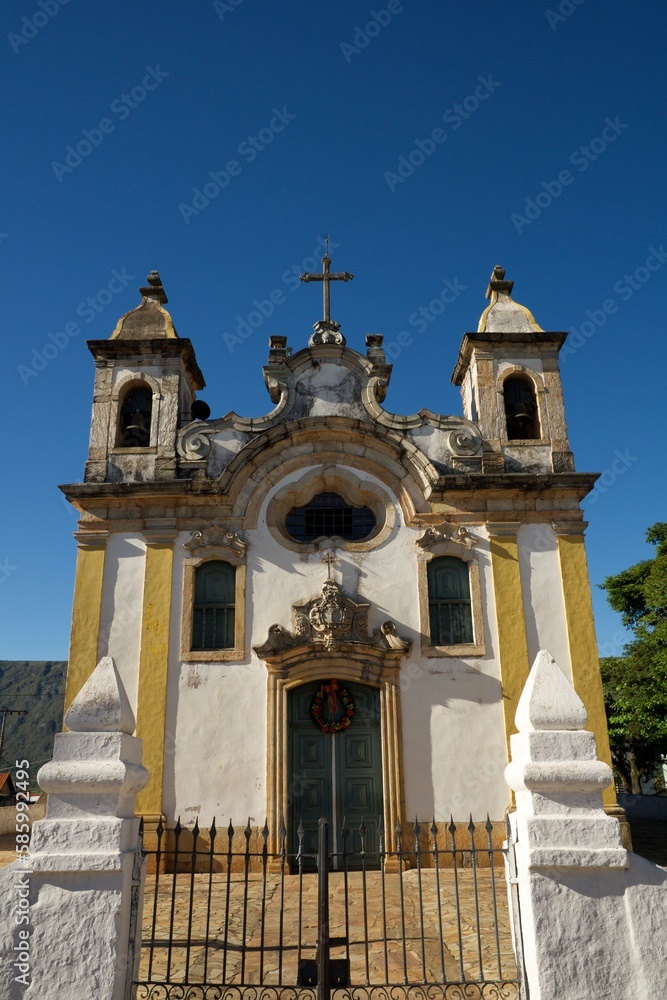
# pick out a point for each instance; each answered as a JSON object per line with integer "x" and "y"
{"x": 511, "y": 387}
{"x": 146, "y": 377}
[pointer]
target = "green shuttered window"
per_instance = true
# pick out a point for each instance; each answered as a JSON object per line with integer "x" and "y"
{"x": 213, "y": 617}
{"x": 449, "y": 601}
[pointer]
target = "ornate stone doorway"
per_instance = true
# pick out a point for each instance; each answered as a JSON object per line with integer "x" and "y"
{"x": 330, "y": 639}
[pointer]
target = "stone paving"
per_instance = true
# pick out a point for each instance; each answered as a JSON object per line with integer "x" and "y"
{"x": 404, "y": 943}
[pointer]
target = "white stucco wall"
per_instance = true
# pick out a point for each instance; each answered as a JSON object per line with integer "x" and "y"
{"x": 122, "y": 606}
{"x": 453, "y": 735}
{"x": 543, "y": 601}
{"x": 451, "y": 708}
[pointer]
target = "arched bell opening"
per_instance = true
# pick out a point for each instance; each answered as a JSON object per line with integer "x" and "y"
{"x": 134, "y": 418}
{"x": 521, "y": 412}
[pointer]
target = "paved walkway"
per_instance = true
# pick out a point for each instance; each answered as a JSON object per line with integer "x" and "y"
{"x": 404, "y": 943}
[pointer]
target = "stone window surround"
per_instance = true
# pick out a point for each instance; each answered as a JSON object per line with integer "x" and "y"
{"x": 204, "y": 554}
{"x": 124, "y": 384}
{"x": 537, "y": 384}
{"x": 459, "y": 550}
{"x": 331, "y": 479}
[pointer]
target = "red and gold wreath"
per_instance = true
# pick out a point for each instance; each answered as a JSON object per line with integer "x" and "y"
{"x": 336, "y": 701}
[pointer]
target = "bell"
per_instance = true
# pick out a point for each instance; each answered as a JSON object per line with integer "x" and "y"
{"x": 520, "y": 412}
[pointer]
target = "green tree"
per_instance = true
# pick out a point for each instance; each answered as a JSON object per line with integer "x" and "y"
{"x": 635, "y": 685}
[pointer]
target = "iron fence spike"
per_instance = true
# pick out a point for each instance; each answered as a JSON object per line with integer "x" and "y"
{"x": 265, "y": 830}
{"x": 282, "y": 829}
{"x": 177, "y": 828}
{"x": 195, "y": 831}
{"x": 248, "y": 830}
{"x": 230, "y": 830}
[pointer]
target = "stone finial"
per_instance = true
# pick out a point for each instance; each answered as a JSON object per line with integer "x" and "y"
{"x": 154, "y": 289}
{"x": 549, "y": 701}
{"x": 149, "y": 320}
{"x": 101, "y": 705}
{"x": 497, "y": 282}
{"x": 503, "y": 314}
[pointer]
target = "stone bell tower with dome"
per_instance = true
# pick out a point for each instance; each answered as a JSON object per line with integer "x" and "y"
{"x": 313, "y": 611}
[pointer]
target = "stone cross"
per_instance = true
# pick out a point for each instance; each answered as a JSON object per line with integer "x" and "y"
{"x": 326, "y": 277}
{"x": 330, "y": 560}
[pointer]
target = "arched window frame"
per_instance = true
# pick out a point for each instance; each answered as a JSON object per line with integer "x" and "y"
{"x": 536, "y": 383}
{"x": 211, "y": 545}
{"x": 126, "y": 384}
{"x": 463, "y": 550}
{"x": 357, "y": 491}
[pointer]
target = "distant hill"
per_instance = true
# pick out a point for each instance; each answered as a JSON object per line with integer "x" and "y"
{"x": 39, "y": 688}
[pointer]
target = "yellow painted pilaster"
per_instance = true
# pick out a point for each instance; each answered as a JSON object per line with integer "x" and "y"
{"x": 154, "y": 664}
{"x": 86, "y": 610}
{"x": 581, "y": 636}
{"x": 512, "y": 642}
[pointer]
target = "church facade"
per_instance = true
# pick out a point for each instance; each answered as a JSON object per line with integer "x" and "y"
{"x": 331, "y": 609}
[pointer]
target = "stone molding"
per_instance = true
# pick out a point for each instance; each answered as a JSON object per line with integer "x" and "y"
{"x": 336, "y": 479}
{"x": 216, "y": 536}
{"x": 331, "y": 623}
{"x": 91, "y": 539}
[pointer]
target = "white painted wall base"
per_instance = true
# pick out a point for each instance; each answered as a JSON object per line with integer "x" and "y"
{"x": 77, "y": 886}
{"x": 593, "y": 917}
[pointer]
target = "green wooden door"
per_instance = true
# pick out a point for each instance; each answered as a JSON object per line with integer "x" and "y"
{"x": 336, "y": 775}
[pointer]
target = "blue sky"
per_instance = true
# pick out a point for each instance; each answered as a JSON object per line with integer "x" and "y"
{"x": 547, "y": 157}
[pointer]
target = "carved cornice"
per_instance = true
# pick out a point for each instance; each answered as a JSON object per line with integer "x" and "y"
{"x": 331, "y": 624}
{"x": 214, "y": 537}
{"x": 447, "y": 532}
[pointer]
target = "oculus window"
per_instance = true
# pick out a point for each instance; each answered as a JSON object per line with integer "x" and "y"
{"x": 329, "y": 514}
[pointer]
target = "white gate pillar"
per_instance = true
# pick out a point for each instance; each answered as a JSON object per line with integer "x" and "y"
{"x": 592, "y": 915}
{"x": 81, "y": 875}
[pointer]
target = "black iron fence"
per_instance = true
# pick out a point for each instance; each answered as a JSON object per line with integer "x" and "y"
{"x": 225, "y": 918}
